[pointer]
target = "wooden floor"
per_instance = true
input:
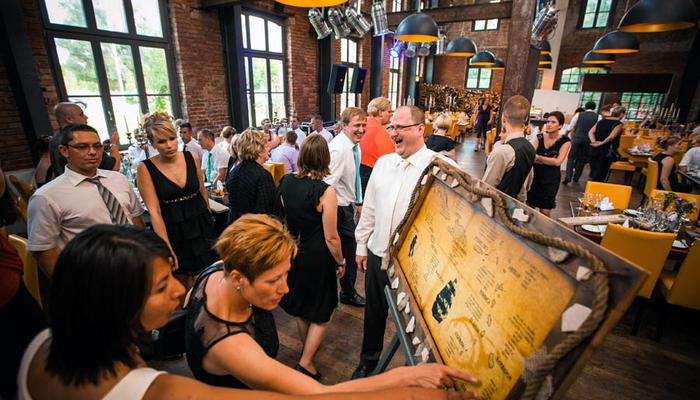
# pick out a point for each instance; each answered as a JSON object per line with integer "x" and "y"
{"x": 625, "y": 367}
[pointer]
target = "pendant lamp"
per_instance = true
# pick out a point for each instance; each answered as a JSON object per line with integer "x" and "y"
{"x": 546, "y": 48}
{"x": 484, "y": 58}
{"x": 498, "y": 66}
{"x": 544, "y": 67}
{"x": 617, "y": 42}
{"x": 418, "y": 27}
{"x": 461, "y": 47}
{"x": 311, "y": 3}
{"x": 659, "y": 16}
{"x": 546, "y": 60}
{"x": 594, "y": 67}
{"x": 597, "y": 58}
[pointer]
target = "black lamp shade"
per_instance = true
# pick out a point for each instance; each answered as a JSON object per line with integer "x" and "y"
{"x": 417, "y": 27}
{"x": 498, "y": 66}
{"x": 544, "y": 67}
{"x": 617, "y": 42}
{"x": 461, "y": 47}
{"x": 598, "y": 58}
{"x": 484, "y": 58}
{"x": 545, "y": 60}
{"x": 546, "y": 48}
{"x": 659, "y": 16}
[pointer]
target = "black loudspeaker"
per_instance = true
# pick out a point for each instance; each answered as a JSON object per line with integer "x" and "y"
{"x": 337, "y": 79}
{"x": 358, "y": 79}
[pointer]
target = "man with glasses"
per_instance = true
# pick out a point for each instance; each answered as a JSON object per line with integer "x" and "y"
{"x": 388, "y": 194}
{"x": 67, "y": 113}
{"x": 376, "y": 141}
{"x": 81, "y": 197}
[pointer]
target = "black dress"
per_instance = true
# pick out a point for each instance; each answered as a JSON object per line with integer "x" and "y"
{"x": 187, "y": 219}
{"x": 676, "y": 186}
{"x": 439, "y": 143}
{"x": 313, "y": 286}
{"x": 203, "y": 330}
{"x": 600, "y": 159}
{"x": 543, "y": 192}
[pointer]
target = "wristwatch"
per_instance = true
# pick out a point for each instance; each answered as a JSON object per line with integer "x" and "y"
{"x": 341, "y": 265}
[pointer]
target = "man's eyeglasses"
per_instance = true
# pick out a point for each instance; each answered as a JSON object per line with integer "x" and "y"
{"x": 400, "y": 128}
{"x": 85, "y": 146}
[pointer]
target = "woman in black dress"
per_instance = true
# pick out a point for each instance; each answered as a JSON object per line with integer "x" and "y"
{"x": 483, "y": 118}
{"x": 668, "y": 176}
{"x": 605, "y": 138}
{"x": 172, "y": 188}
{"x": 438, "y": 141}
{"x": 311, "y": 210}
{"x": 552, "y": 149}
{"x": 250, "y": 187}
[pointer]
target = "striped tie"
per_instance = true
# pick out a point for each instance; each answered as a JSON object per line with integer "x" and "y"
{"x": 116, "y": 212}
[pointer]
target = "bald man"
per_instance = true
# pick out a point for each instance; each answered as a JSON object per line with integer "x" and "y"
{"x": 68, "y": 113}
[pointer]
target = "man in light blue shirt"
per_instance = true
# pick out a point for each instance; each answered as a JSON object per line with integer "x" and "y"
{"x": 287, "y": 153}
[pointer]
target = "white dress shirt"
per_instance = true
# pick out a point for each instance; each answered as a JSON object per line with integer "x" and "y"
{"x": 194, "y": 148}
{"x": 138, "y": 154}
{"x": 574, "y": 121}
{"x": 386, "y": 201}
{"x": 218, "y": 156}
{"x": 326, "y": 134}
{"x": 343, "y": 169}
{"x": 68, "y": 205}
{"x": 691, "y": 158}
{"x": 301, "y": 135}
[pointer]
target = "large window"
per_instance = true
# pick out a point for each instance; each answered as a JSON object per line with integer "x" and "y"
{"x": 348, "y": 57}
{"x": 263, "y": 63}
{"x": 485, "y": 24}
{"x": 396, "y": 6}
{"x": 571, "y": 81}
{"x": 596, "y": 14}
{"x": 394, "y": 80}
{"x": 638, "y": 104}
{"x": 113, "y": 57}
{"x": 478, "y": 78}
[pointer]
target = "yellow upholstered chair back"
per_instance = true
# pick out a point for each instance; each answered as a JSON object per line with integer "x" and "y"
{"x": 626, "y": 142}
{"x": 652, "y": 177}
{"x": 428, "y": 130}
{"x": 619, "y": 195}
{"x": 681, "y": 288}
{"x": 648, "y": 250}
{"x": 31, "y": 272}
{"x": 25, "y": 190}
{"x": 693, "y": 198}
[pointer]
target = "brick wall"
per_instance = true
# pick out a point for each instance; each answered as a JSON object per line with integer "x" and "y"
{"x": 13, "y": 142}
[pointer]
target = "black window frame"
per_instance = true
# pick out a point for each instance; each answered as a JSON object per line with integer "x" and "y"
{"x": 478, "y": 79}
{"x": 582, "y": 14}
{"x": 350, "y": 65}
{"x": 250, "y": 54}
{"x": 486, "y": 25}
{"x": 95, "y": 37}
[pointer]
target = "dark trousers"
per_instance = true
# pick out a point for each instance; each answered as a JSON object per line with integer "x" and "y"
{"x": 376, "y": 311}
{"x": 600, "y": 164}
{"x": 21, "y": 319}
{"x": 365, "y": 173}
{"x": 346, "y": 230}
{"x": 576, "y": 160}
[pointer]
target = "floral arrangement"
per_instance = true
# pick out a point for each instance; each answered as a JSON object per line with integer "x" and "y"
{"x": 678, "y": 204}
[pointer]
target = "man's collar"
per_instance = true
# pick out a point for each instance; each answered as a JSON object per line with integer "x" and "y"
{"x": 75, "y": 178}
{"x": 413, "y": 158}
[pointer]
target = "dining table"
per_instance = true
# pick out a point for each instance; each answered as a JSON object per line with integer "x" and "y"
{"x": 693, "y": 177}
{"x": 637, "y": 156}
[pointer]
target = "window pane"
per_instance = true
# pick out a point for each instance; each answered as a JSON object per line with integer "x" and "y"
{"x": 274, "y": 37}
{"x": 244, "y": 30}
{"x": 492, "y": 23}
{"x": 251, "y": 117}
{"x": 257, "y": 26}
{"x": 92, "y": 107}
{"x": 126, "y": 114}
{"x": 155, "y": 70}
{"x": 473, "y": 73}
{"x": 602, "y": 20}
{"x": 261, "y": 110}
{"x": 147, "y": 17}
{"x": 605, "y": 5}
{"x": 119, "y": 65}
{"x": 66, "y": 12}
{"x": 259, "y": 75}
{"x": 352, "y": 51}
{"x": 393, "y": 63}
{"x": 479, "y": 24}
{"x": 343, "y": 50}
{"x": 588, "y": 20}
{"x": 472, "y": 83}
{"x": 276, "y": 76}
{"x": 77, "y": 66}
{"x": 278, "y": 109}
{"x": 246, "y": 60}
{"x": 591, "y": 5}
{"x": 109, "y": 15}
{"x": 160, "y": 103}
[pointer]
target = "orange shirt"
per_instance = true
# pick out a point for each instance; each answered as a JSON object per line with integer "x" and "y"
{"x": 375, "y": 143}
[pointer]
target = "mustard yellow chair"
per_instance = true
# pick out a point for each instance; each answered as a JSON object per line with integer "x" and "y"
{"x": 681, "y": 288}
{"x": 31, "y": 271}
{"x": 652, "y": 179}
{"x": 619, "y": 195}
{"x": 693, "y": 198}
{"x": 648, "y": 250}
{"x": 428, "y": 129}
{"x": 25, "y": 190}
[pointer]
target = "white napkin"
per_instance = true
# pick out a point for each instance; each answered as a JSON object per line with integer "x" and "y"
{"x": 606, "y": 205}
{"x": 626, "y": 224}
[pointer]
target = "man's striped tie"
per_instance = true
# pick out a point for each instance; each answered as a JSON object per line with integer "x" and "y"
{"x": 115, "y": 209}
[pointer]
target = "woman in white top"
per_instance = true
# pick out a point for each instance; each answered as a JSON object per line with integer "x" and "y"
{"x": 111, "y": 285}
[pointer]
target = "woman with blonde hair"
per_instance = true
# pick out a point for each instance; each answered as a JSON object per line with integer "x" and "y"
{"x": 439, "y": 142}
{"x": 250, "y": 187}
{"x": 172, "y": 187}
{"x": 231, "y": 336}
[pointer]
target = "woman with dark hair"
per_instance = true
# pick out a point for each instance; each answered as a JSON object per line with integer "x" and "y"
{"x": 552, "y": 149}
{"x": 668, "y": 176}
{"x": 311, "y": 210}
{"x": 112, "y": 284}
{"x": 484, "y": 117}
{"x": 44, "y": 171}
{"x": 605, "y": 138}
